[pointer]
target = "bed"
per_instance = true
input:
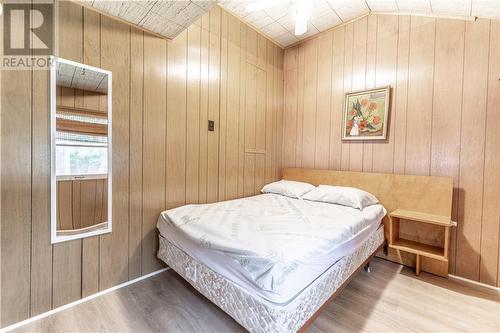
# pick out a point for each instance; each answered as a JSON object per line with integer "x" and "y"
{"x": 280, "y": 280}
{"x": 270, "y": 261}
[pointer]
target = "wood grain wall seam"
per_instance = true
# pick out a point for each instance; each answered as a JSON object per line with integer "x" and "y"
{"x": 142, "y": 154}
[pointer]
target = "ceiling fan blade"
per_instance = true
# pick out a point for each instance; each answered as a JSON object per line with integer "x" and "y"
{"x": 263, "y": 4}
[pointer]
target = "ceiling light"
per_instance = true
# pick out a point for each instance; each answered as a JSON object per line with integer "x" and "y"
{"x": 300, "y": 28}
{"x": 302, "y": 13}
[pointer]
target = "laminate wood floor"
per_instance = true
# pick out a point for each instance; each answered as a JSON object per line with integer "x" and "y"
{"x": 389, "y": 299}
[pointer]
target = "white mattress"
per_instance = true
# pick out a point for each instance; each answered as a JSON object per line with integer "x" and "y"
{"x": 271, "y": 245}
{"x": 254, "y": 313}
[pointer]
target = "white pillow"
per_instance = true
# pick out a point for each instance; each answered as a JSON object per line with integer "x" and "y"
{"x": 340, "y": 195}
{"x": 288, "y": 188}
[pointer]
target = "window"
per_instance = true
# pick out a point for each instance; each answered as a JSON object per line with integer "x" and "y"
{"x": 79, "y": 154}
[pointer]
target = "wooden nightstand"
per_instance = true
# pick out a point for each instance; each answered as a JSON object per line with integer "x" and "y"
{"x": 419, "y": 249}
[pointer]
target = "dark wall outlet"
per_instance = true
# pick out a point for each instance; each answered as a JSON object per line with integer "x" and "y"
{"x": 211, "y": 125}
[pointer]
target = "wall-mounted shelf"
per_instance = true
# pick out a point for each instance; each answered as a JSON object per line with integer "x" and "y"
{"x": 417, "y": 248}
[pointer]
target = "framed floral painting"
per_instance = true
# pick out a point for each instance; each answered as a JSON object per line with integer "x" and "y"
{"x": 366, "y": 114}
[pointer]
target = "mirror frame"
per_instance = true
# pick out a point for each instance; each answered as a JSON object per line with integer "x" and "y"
{"x": 53, "y": 180}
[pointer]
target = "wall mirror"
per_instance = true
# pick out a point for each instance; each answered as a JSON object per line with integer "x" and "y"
{"x": 80, "y": 150}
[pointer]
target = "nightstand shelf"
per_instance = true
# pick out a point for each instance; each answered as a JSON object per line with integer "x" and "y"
{"x": 419, "y": 249}
{"x": 430, "y": 251}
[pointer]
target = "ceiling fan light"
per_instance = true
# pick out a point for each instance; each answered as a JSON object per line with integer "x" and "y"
{"x": 300, "y": 27}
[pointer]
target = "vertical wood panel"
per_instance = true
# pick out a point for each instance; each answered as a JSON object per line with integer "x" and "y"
{"x": 420, "y": 83}
{"x": 242, "y": 113}
{"x": 260, "y": 130}
{"x": 269, "y": 111}
{"x": 88, "y": 202}
{"x": 300, "y": 104}
{"x": 277, "y": 129}
{"x": 67, "y": 257}
{"x": 372, "y": 50}
{"x": 223, "y": 106}
{"x": 260, "y": 114}
{"x": 154, "y": 122}
{"x": 490, "y": 230}
{"x": 193, "y": 113}
{"x": 91, "y": 56}
{"x": 279, "y": 117}
{"x": 337, "y": 96}
{"x": 348, "y": 73}
{"x": 15, "y": 196}
{"x": 204, "y": 97}
{"x": 324, "y": 87}
{"x": 65, "y": 211}
{"x": 310, "y": 103}
{"x": 290, "y": 116}
{"x": 136, "y": 151}
{"x": 213, "y": 104}
{"x": 233, "y": 108}
{"x": 115, "y": 56}
{"x": 445, "y": 150}
{"x": 41, "y": 249}
{"x": 176, "y": 122}
{"x": 250, "y": 107}
{"x": 250, "y": 113}
{"x": 385, "y": 75}
{"x": 358, "y": 83}
{"x": 401, "y": 95}
{"x": 474, "y": 101}
{"x": 76, "y": 198}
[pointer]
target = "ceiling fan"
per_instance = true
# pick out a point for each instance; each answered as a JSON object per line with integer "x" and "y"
{"x": 301, "y": 11}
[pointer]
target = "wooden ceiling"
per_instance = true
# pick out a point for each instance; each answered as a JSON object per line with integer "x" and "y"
{"x": 165, "y": 18}
{"x": 168, "y": 18}
{"x": 278, "y": 24}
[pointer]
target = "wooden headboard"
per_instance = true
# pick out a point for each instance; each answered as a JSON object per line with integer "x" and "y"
{"x": 425, "y": 194}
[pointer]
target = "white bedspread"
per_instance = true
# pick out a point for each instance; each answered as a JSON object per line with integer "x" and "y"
{"x": 277, "y": 244}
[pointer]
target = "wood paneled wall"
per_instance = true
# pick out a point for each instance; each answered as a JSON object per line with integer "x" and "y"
{"x": 444, "y": 119}
{"x": 81, "y": 203}
{"x": 164, "y": 93}
{"x": 69, "y": 98}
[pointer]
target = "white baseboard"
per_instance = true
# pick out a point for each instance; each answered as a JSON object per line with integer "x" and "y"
{"x": 477, "y": 285}
{"x": 82, "y": 300}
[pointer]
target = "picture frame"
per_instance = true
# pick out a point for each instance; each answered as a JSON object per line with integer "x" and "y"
{"x": 366, "y": 114}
